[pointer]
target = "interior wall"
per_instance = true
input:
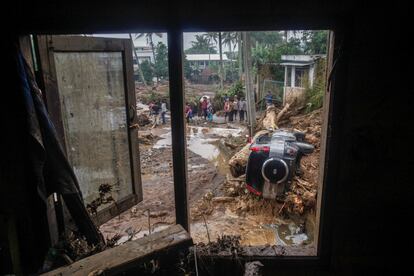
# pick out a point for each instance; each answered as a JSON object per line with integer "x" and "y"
{"x": 368, "y": 193}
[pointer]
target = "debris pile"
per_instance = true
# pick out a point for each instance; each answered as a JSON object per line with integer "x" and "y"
{"x": 225, "y": 245}
{"x": 147, "y": 139}
{"x": 105, "y": 197}
{"x": 303, "y": 189}
{"x": 143, "y": 119}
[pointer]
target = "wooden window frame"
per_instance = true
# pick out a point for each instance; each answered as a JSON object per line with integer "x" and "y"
{"x": 330, "y": 144}
{"x": 333, "y": 103}
{"x": 47, "y": 45}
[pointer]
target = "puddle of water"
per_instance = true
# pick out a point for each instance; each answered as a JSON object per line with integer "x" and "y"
{"x": 200, "y": 140}
{"x": 289, "y": 234}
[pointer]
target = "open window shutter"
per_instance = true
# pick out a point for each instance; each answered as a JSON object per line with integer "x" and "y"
{"x": 90, "y": 94}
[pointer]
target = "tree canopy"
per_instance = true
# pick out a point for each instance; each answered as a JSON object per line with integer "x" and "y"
{"x": 161, "y": 61}
{"x": 201, "y": 45}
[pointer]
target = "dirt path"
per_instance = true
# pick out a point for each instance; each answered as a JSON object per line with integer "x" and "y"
{"x": 158, "y": 189}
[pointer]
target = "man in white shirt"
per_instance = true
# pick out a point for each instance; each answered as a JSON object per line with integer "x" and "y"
{"x": 163, "y": 111}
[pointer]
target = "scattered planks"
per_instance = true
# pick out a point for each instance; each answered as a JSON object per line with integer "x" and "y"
{"x": 127, "y": 256}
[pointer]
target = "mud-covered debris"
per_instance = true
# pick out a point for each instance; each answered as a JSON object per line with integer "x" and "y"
{"x": 294, "y": 204}
{"x": 111, "y": 242}
{"x": 104, "y": 198}
{"x": 253, "y": 268}
{"x": 148, "y": 139}
{"x": 76, "y": 247}
{"x": 222, "y": 199}
{"x": 104, "y": 189}
{"x": 143, "y": 120}
{"x": 225, "y": 245}
{"x": 158, "y": 214}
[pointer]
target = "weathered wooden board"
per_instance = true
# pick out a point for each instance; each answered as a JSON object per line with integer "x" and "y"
{"x": 121, "y": 258}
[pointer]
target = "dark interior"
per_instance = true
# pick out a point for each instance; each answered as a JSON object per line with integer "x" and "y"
{"x": 365, "y": 213}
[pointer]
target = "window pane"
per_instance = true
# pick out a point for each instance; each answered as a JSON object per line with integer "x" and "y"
{"x": 92, "y": 97}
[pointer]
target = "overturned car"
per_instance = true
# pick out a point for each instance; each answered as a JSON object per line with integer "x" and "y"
{"x": 273, "y": 161}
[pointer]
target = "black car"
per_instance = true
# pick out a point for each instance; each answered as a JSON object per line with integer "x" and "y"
{"x": 273, "y": 161}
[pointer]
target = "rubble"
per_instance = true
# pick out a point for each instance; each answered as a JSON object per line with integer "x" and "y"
{"x": 147, "y": 139}
{"x": 225, "y": 244}
{"x": 143, "y": 120}
{"x": 303, "y": 189}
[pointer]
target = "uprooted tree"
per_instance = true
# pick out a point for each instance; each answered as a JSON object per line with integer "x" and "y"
{"x": 303, "y": 191}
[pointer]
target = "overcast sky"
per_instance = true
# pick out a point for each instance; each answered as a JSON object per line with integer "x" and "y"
{"x": 188, "y": 37}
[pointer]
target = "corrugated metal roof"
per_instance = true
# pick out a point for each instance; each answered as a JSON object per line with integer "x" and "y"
{"x": 301, "y": 58}
{"x": 296, "y": 63}
{"x": 206, "y": 57}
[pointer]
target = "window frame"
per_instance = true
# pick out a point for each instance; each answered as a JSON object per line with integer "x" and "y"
{"x": 333, "y": 101}
{"x": 330, "y": 144}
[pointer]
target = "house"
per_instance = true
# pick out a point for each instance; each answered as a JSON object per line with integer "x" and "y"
{"x": 203, "y": 64}
{"x": 144, "y": 53}
{"x": 299, "y": 73}
{"x": 201, "y": 61}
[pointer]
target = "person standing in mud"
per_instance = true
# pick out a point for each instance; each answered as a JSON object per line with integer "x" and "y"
{"x": 226, "y": 109}
{"x": 242, "y": 109}
{"x": 269, "y": 99}
{"x": 210, "y": 112}
{"x": 150, "y": 105}
{"x": 231, "y": 113}
{"x": 235, "y": 108}
{"x": 163, "y": 111}
{"x": 155, "y": 113}
{"x": 204, "y": 105}
{"x": 188, "y": 112}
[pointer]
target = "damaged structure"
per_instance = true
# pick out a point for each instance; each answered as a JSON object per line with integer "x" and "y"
{"x": 354, "y": 195}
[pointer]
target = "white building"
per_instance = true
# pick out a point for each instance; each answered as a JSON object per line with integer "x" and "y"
{"x": 201, "y": 61}
{"x": 144, "y": 53}
{"x": 299, "y": 69}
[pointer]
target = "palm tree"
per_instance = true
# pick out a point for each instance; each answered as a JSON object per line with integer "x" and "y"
{"x": 217, "y": 38}
{"x": 136, "y": 58}
{"x": 201, "y": 45}
{"x": 150, "y": 41}
{"x": 230, "y": 39}
{"x": 239, "y": 46}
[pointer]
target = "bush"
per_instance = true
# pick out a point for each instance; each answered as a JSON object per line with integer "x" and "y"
{"x": 147, "y": 70}
{"x": 237, "y": 89}
{"x": 315, "y": 94}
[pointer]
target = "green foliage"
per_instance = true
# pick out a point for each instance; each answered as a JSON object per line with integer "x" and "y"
{"x": 315, "y": 42}
{"x": 187, "y": 69}
{"x": 236, "y": 90}
{"x": 268, "y": 38}
{"x": 315, "y": 94}
{"x": 161, "y": 61}
{"x": 201, "y": 45}
{"x": 231, "y": 72}
{"x": 147, "y": 71}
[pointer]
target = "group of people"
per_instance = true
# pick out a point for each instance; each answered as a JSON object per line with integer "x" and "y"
{"x": 157, "y": 110}
{"x": 235, "y": 107}
{"x": 205, "y": 110}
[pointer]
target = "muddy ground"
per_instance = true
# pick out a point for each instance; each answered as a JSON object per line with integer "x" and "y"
{"x": 219, "y": 203}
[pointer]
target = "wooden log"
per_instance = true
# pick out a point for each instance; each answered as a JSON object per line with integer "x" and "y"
{"x": 238, "y": 162}
{"x": 122, "y": 258}
{"x": 281, "y": 113}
